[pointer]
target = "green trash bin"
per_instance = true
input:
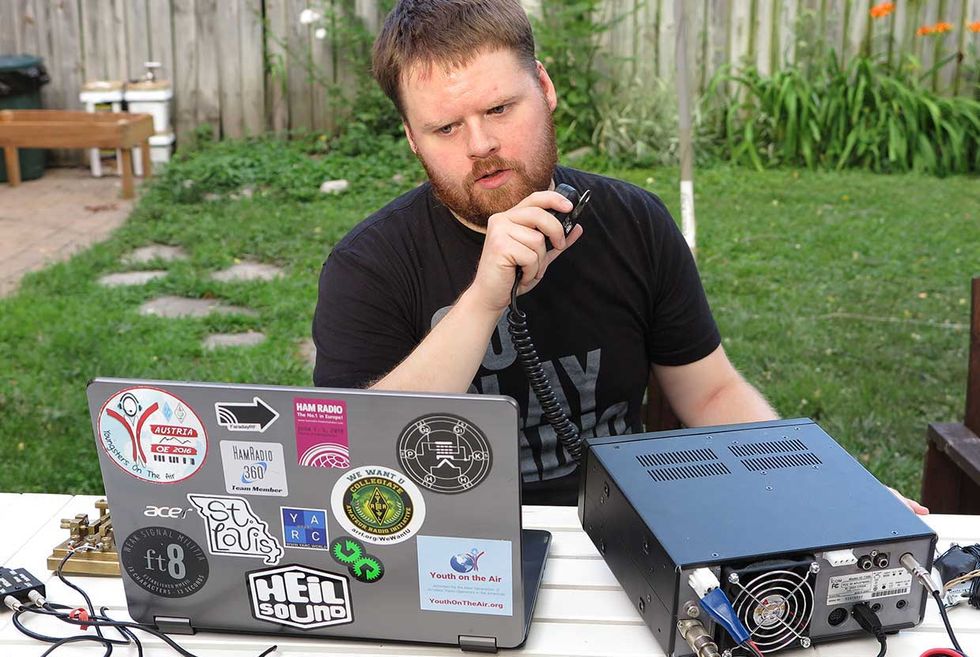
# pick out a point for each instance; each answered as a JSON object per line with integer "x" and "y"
{"x": 21, "y": 79}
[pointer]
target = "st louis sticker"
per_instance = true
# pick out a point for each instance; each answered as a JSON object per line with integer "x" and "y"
{"x": 253, "y": 468}
{"x": 377, "y": 505}
{"x": 234, "y": 529}
{"x": 465, "y": 575}
{"x": 321, "y": 433}
{"x": 152, "y": 435}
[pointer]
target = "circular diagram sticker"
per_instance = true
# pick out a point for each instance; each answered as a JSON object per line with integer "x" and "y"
{"x": 378, "y": 505}
{"x": 444, "y": 453}
{"x": 152, "y": 435}
{"x": 164, "y": 561}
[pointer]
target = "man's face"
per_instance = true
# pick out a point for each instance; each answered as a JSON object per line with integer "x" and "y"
{"x": 482, "y": 131}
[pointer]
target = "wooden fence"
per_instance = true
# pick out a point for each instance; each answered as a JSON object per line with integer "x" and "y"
{"x": 243, "y": 65}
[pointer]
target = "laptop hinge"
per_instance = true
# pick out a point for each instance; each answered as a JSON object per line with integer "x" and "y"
{"x": 173, "y": 625}
{"x": 478, "y": 643}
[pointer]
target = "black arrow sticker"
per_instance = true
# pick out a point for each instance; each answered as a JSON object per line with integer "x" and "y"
{"x": 257, "y": 416}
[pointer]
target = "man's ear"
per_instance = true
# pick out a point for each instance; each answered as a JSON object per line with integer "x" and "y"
{"x": 547, "y": 86}
{"x": 408, "y": 135}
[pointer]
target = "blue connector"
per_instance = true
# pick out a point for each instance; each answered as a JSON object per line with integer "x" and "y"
{"x": 716, "y": 603}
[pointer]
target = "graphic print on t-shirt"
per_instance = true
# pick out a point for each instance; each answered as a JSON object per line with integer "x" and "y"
{"x": 540, "y": 449}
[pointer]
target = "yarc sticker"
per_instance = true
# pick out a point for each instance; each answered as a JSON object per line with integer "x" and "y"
{"x": 378, "y": 505}
{"x": 152, "y": 435}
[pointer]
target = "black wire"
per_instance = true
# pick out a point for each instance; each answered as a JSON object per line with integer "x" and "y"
{"x": 949, "y": 628}
{"x": 88, "y": 601}
{"x": 566, "y": 431}
{"x": 74, "y": 639}
{"x": 268, "y": 651}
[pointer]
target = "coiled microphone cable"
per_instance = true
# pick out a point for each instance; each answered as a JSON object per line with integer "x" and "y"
{"x": 567, "y": 432}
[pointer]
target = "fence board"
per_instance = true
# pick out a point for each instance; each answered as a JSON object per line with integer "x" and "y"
{"x": 185, "y": 67}
{"x": 161, "y": 36}
{"x": 120, "y": 52}
{"x": 229, "y": 61}
{"x": 322, "y": 76}
{"x": 738, "y": 39}
{"x": 252, "y": 83}
{"x": 298, "y": 84}
{"x": 277, "y": 107}
{"x": 209, "y": 51}
{"x": 666, "y": 38}
{"x": 137, "y": 37}
{"x": 9, "y": 28}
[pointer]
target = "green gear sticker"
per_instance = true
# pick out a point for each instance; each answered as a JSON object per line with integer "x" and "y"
{"x": 362, "y": 566}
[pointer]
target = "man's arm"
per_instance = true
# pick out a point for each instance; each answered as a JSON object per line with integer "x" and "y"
{"x": 450, "y": 355}
{"x": 710, "y": 391}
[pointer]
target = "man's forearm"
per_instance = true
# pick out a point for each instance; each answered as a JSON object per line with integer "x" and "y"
{"x": 449, "y": 356}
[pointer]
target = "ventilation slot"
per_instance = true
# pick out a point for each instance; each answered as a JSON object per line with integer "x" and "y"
{"x": 803, "y": 460}
{"x": 768, "y": 447}
{"x": 696, "y": 471}
{"x": 675, "y": 458}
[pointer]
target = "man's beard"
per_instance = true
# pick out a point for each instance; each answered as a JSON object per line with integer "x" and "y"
{"x": 475, "y": 205}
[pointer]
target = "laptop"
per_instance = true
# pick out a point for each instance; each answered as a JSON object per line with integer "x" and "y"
{"x": 318, "y": 512}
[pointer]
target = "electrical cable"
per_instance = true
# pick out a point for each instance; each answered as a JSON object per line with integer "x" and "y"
{"x": 949, "y": 627}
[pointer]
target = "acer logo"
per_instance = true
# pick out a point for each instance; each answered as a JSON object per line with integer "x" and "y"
{"x": 173, "y": 512}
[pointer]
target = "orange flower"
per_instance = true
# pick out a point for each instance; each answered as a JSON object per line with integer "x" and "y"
{"x": 925, "y": 30}
{"x": 882, "y": 9}
{"x": 974, "y": 26}
{"x": 941, "y": 27}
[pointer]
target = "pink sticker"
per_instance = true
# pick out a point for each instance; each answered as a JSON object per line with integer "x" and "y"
{"x": 321, "y": 433}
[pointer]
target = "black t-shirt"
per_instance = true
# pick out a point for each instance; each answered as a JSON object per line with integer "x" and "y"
{"x": 626, "y": 295}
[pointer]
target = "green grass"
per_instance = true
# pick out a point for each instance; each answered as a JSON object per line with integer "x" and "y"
{"x": 843, "y": 296}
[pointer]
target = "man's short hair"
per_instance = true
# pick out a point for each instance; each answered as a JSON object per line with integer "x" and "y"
{"x": 448, "y": 33}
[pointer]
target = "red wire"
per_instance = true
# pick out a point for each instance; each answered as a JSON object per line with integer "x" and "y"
{"x": 941, "y": 652}
{"x": 759, "y": 652}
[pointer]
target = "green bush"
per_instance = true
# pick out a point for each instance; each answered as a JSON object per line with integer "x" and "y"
{"x": 862, "y": 116}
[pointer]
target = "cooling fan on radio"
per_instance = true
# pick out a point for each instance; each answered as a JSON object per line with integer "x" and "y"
{"x": 774, "y": 600}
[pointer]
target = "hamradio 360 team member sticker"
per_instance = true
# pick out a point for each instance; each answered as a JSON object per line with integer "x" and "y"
{"x": 378, "y": 505}
{"x": 444, "y": 453}
{"x": 152, "y": 435}
{"x": 164, "y": 561}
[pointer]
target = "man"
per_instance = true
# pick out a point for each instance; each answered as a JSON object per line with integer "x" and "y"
{"x": 414, "y": 297}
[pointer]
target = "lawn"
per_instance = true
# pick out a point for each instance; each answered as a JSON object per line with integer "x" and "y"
{"x": 843, "y": 296}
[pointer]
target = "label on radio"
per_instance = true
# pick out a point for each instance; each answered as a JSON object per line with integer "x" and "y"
{"x": 868, "y": 586}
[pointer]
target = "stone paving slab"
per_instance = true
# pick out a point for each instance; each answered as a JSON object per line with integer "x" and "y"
{"x": 179, "y": 307}
{"x": 153, "y": 253}
{"x": 130, "y": 278}
{"x": 45, "y": 221}
{"x": 248, "y": 271}
{"x": 222, "y": 340}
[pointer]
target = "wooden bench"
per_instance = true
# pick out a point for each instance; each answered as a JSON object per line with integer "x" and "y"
{"x": 71, "y": 129}
{"x": 951, "y": 476}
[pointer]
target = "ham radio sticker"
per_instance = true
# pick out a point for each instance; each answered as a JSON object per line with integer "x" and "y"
{"x": 234, "y": 529}
{"x": 164, "y": 561}
{"x": 377, "y": 505}
{"x": 321, "y": 433}
{"x": 444, "y": 453}
{"x": 152, "y": 435}
{"x": 253, "y": 468}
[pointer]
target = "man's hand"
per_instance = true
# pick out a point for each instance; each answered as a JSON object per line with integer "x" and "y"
{"x": 912, "y": 504}
{"x": 515, "y": 238}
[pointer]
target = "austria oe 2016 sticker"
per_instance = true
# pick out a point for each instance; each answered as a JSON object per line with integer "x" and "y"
{"x": 444, "y": 453}
{"x": 234, "y": 529}
{"x": 300, "y": 596}
{"x": 377, "y": 505}
{"x": 321, "y": 433}
{"x": 152, "y": 435}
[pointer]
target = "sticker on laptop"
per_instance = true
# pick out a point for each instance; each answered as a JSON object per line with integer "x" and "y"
{"x": 234, "y": 529}
{"x": 253, "y": 468}
{"x": 321, "y": 433}
{"x": 245, "y": 416}
{"x": 362, "y": 566}
{"x": 377, "y": 505}
{"x": 465, "y": 575}
{"x": 164, "y": 561}
{"x": 305, "y": 529}
{"x": 300, "y": 596}
{"x": 152, "y": 435}
{"x": 444, "y": 453}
